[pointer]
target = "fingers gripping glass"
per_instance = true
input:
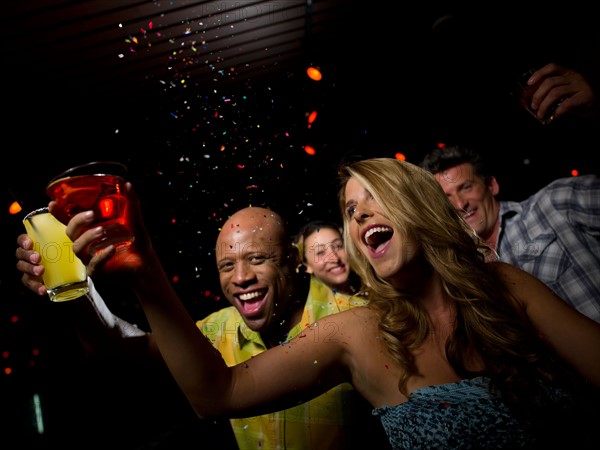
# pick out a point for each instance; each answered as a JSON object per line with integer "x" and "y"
{"x": 97, "y": 186}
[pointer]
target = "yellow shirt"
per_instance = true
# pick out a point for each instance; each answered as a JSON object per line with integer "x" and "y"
{"x": 335, "y": 420}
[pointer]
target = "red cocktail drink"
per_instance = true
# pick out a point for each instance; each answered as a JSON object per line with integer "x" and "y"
{"x": 97, "y": 186}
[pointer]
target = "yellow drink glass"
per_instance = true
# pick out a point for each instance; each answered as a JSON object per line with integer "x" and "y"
{"x": 64, "y": 274}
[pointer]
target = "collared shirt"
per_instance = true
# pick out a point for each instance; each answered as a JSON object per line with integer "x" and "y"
{"x": 331, "y": 421}
{"x": 555, "y": 235}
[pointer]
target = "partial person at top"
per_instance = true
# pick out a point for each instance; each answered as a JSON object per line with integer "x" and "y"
{"x": 553, "y": 234}
{"x": 322, "y": 254}
{"x": 561, "y": 46}
{"x": 269, "y": 302}
{"x": 451, "y": 351}
{"x": 563, "y": 91}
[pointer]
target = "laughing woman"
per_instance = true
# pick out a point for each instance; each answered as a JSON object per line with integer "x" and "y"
{"x": 454, "y": 350}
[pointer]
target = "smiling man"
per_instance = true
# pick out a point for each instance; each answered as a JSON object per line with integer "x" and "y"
{"x": 272, "y": 302}
{"x": 553, "y": 234}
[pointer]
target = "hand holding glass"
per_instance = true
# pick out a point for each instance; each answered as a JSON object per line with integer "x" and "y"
{"x": 524, "y": 94}
{"x": 97, "y": 186}
{"x": 64, "y": 274}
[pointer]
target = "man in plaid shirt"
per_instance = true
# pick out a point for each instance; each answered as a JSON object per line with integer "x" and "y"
{"x": 554, "y": 234}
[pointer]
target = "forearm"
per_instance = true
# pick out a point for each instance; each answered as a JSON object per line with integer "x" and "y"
{"x": 195, "y": 364}
{"x": 104, "y": 334}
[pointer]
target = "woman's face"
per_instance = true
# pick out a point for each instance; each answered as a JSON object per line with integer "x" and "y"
{"x": 325, "y": 257}
{"x": 391, "y": 254}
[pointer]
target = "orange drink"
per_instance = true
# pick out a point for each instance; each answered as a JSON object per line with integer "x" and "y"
{"x": 64, "y": 274}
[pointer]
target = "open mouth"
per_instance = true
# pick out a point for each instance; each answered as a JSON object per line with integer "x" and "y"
{"x": 337, "y": 270}
{"x": 251, "y": 302}
{"x": 376, "y": 236}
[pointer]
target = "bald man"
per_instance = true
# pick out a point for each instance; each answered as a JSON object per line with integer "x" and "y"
{"x": 270, "y": 303}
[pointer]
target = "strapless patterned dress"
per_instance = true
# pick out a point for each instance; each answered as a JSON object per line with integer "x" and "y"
{"x": 459, "y": 415}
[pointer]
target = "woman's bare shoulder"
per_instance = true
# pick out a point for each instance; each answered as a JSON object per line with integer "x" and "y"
{"x": 525, "y": 288}
{"x": 511, "y": 274}
{"x": 355, "y": 324}
{"x": 352, "y": 319}
{"x": 353, "y": 315}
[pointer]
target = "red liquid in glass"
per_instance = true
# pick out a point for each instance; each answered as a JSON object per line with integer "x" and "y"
{"x": 101, "y": 193}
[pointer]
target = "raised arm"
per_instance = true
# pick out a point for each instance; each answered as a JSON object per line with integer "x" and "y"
{"x": 100, "y": 331}
{"x": 280, "y": 377}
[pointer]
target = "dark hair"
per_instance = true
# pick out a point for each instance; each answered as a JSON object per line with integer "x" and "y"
{"x": 443, "y": 158}
{"x": 354, "y": 282}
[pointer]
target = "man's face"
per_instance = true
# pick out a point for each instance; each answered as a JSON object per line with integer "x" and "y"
{"x": 472, "y": 196}
{"x": 253, "y": 267}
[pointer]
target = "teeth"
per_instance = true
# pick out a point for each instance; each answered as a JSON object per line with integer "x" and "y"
{"x": 468, "y": 214}
{"x": 374, "y": 230}
{"x": 250, "y": 295}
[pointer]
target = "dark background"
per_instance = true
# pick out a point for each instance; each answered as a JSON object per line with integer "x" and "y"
{"x": 207, "y": 132}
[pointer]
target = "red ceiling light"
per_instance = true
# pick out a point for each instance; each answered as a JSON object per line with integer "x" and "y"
{"x": 310, "y": 150}
{"x": 14, "y": 208}
{"x": 314, "y": 73}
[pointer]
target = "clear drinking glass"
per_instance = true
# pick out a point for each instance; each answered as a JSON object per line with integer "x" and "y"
{"x": 97, "y": 186}
{"x": 64, "y": 274}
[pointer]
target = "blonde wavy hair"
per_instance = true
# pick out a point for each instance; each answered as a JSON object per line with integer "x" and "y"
{"x": 486, "y": 323}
